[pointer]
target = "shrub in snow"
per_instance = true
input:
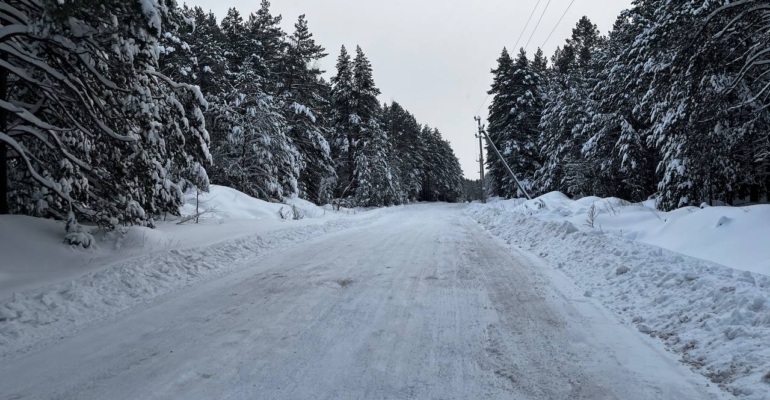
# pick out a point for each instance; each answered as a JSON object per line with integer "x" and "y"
{"x": 76, "y": 234}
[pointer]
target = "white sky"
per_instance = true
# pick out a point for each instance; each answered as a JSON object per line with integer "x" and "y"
{"x": 433, "y": 56}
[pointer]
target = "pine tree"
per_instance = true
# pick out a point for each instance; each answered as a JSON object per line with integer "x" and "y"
{"x": 513, "y": 122}
{"x": 303, "y": 103}
{"x": 376, "y": 185}
{"x": 251, "y": 148}
{"x": 405, "y": 133}
{"x": 705, "y": 115}
{"x": 521, "y": 153}
{"x": 344, "y": 134}
{"x": 561, "y": 126}
{"x": 268, "y": 47}
{"x": 98, "y": 133}
{"x": 499, "y": 120}
{"x": 617, "y": 130}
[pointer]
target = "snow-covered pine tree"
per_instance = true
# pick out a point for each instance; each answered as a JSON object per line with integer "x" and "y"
{"x": 561, "y": 141}
{"x": 448, "y": 183}
{"x": 251, "y": 148}
{"x": 303, "y": 105}
{"x": 360, "y": 144}
{"x": 707, "y": 115}
{"x": 514, "y": 116}
{"x": 375, "y": 182}
{"x": 540, "y": 65}
{"x": 343, "y": 134}
{"x": 405, "y": 133}
{"x": 442, "y": 176}
{"x": 617, "y": 129}
{"x": 96, "y": 132}
{"x": 499, "y": 119}
{"x": 521, "y": 133}
{"x": 268, "y": 46}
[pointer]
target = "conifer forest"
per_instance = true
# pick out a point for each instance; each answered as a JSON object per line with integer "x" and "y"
{"x": 671, "y": 105}
{"x": 233, "y": 199}
{"x": 111, "y": 110}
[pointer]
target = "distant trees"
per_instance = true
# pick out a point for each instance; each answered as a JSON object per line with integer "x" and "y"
{"x": 673, "y": 103}
{"x": 384, "y": 156}
{"x": 110, "y": 111}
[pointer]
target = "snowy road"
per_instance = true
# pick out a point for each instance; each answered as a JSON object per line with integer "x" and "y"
{"x": 422, "y": 304}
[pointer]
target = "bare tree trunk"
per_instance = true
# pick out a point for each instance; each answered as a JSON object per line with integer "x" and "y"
{"x": 197, "y": 204}
{"x": 4, "y": 209}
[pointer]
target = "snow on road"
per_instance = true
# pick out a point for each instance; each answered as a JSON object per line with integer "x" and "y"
{"x": 419, "y": 304}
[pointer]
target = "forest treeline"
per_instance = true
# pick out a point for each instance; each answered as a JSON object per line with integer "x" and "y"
{"x": 672, "y": 104}
{"x": 111, "y": 110}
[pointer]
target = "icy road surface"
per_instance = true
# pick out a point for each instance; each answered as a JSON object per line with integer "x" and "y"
{"x": 422, "y": 304}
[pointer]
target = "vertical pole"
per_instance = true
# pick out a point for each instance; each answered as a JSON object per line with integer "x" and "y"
{"x": 481, "y": 162}
{"x": 4, "y": 209}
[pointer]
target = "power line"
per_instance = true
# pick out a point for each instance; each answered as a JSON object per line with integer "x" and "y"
{"x": 482, "y": 105}
{"x": 517, "y": 43}
{"x": 525, "y": 26}
{"x": 557, "y": 24}
{"x": 538, "y": 24}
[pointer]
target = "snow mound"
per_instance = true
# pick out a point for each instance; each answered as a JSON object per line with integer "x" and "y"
{"x": 222, "y": 202}
{"x": 225, "y": 203}
{"x": 714, "y": 317}
{"x": 735, "y": 237}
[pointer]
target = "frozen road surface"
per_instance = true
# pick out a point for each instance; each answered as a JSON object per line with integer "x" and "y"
{"x": 420, "y": 304}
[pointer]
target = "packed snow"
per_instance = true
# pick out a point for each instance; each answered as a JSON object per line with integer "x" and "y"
{"x": 712, "y": 311}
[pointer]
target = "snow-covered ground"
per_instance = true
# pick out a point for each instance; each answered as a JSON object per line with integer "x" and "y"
{"x": 712, "y": 311}
{"x": 736, "y": 237}
{"x": 407, "y": 302}
{"x": 49, "y": 289}
{"x": 416, "y": 304}
{"x": 34, "y": 255}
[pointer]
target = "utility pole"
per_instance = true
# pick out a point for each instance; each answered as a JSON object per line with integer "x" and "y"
{"x": 502, "y": 159}
{"x": 481, "y": 160}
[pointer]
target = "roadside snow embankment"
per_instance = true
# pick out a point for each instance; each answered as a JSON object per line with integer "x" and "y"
{"x": 736, "y": 237}
{"x": 49, "y": 289}
{"x": 716, "y": 318}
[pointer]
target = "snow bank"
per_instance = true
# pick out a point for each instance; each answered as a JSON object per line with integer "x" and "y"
{"x": 736, "y": 237}
{"x": 32, "y": 317}
{"x": 34, "y": 254}
{"x": 715, "y": 318}
{"x": 222, "y": 202}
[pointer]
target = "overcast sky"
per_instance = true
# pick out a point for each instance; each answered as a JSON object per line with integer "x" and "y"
{"x": 433, "y": 56}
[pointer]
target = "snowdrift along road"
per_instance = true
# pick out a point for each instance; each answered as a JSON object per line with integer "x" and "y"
{"x": 714, "y": 318}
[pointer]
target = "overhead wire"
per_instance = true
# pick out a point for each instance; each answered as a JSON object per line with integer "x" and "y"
{"x": 557, "y": 24}
{"x": 538, "y": 24}
{"x": 532, "y": 14}
{"x": 525, "y": 26}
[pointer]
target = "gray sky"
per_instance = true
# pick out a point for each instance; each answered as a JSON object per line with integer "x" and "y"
{"x": 433, "y": 56}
